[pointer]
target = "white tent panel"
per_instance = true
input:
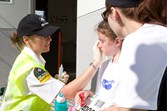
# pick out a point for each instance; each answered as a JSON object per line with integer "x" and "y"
{"x": 86, "y": 37}
{"x": 7, "y": 55}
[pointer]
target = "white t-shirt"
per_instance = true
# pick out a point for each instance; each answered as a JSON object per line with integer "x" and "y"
{"x": 109, "y": 83}
{"x": 142, "y": 63}
{"x": 47, "y": 90}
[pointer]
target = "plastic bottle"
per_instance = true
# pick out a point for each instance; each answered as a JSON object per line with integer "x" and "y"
{"x": 60, "y": 104}
{"x": 60, "y": 71}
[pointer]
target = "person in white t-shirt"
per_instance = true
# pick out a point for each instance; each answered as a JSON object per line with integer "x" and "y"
{"x": 30, "y": 86}
{"x": 143, "y": 58}
{"x": 107, "y": 77}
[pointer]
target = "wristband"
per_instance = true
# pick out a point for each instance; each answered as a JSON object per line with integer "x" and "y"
{"x": 91, "y": 64}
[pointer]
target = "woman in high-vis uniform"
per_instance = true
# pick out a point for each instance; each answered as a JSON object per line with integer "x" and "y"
{"x": 30, "y": 86}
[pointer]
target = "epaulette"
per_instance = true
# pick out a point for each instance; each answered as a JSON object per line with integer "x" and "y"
{"x": 41, "y": 74}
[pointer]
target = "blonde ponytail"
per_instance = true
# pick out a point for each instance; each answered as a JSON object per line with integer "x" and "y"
{"x": 17, "y": 42}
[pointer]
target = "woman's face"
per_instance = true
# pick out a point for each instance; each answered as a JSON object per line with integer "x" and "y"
{"x": 107, "y": 46}
{"x": 40, "y": 44}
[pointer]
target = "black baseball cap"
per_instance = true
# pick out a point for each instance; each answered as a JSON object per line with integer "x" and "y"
{"x": 124, "y": 3}
{"x": 35, "y": 24}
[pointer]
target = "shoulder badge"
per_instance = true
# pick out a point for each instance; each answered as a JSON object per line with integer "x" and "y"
{"x": 41, "y": 75}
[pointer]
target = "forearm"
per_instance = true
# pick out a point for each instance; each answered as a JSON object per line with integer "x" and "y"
{"x": 70, "y": 90}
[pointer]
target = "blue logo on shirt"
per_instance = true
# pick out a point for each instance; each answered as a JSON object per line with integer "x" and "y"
{"x": 107, "y": 84}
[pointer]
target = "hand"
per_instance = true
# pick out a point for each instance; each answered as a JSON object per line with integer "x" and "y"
{"x": 64, "y": 78}
{"x": 85, "y": 93}
{"x": 97, "y": 53}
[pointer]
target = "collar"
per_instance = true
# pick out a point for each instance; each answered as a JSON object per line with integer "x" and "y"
{"x": 31, "y": 53}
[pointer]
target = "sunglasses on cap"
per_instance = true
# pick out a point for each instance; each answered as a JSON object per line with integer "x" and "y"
{"x": 106, "y": 13}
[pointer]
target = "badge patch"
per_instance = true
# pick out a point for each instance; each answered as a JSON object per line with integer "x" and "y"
{"x": 41, "y": 75}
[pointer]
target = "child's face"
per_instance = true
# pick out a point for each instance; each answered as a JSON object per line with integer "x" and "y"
{"x": 107, "y": 46}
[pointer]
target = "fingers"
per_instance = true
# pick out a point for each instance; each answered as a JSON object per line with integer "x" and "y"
{"x": 97, "y": 53}
{"x": 56, "y": 76}
{"x": 86, "y": 94}
{"x": 96, "y": 44}
{"x": 64, "y": 78}
{"x": 65, "y": 75}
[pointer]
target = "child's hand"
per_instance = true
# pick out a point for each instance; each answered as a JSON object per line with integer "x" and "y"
{"x": 81, "y": 96}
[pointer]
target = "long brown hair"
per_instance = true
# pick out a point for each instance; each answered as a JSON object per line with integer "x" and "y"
{"x": 152, "y": 11}
{"x": 148, "y": 11}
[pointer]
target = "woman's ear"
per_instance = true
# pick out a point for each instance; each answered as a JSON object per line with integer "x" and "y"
{"x": 25, "y": 40}
{"x": 116, "y": 16}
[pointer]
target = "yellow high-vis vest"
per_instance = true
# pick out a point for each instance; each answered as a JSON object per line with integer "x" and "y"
{"x": 17, "y": 97}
